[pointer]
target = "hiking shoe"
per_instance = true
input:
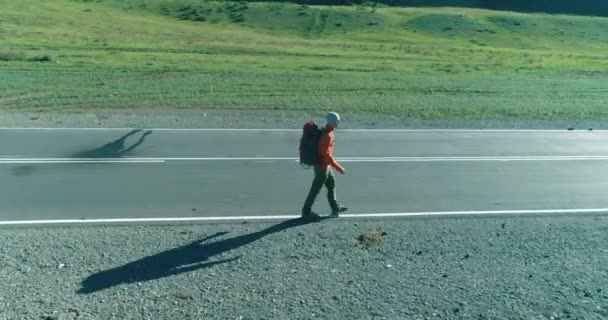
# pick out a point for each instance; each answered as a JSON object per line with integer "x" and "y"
{"x": 336, "y": 212}
{"x": 310, "y": 216}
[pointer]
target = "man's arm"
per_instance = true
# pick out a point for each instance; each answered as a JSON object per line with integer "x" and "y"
{"x": 326, "y": 155}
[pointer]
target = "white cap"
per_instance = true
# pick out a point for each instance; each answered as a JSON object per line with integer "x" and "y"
{"x": 333, "y": 119}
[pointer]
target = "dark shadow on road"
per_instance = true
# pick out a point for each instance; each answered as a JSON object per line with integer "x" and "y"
{"x": 114, "y": 149}
{"x": 190, "y": 257}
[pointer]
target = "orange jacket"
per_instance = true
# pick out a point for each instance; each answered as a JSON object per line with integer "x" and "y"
{"x": 326, "y": 151}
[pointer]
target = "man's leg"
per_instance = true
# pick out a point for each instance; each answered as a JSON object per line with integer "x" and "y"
{"x": 330, "y": 184}
{"x": 315, "y": 188}
{"x": 336, "y": 208}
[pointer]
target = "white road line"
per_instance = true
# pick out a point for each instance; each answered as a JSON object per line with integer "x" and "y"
{"x": 300, "y": 130}
{"x": 272, "y": 159}
{"x": 473, "y": 159}
{"x": 284, "y": 217}
{"x": 128, "y": 220}
{"x": 15, "y": 161}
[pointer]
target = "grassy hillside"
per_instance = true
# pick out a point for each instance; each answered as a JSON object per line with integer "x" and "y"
{"x": 78, "y": 56}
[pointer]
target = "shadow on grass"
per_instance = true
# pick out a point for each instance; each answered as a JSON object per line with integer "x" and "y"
{"x": 187, "y": 258}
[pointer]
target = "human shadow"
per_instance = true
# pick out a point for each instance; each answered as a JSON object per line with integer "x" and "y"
{"x": 114, "y": 149}
{"x": 187, "y": 258}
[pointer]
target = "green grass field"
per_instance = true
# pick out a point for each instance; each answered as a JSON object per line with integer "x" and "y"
{"x": 72, "y": 56}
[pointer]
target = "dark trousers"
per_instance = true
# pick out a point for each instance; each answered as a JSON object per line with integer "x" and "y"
{"x": 322, "y": 178}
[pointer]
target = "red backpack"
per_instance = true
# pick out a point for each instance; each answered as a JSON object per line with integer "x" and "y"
{"x": 309, "y": 151}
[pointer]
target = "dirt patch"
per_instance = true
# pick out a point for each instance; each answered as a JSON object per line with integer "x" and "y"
{"x": 8, "y": 99}
{"x": 371, "y": 238}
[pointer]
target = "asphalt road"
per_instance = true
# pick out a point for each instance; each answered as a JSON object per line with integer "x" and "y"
{"x": 87, "y": 174}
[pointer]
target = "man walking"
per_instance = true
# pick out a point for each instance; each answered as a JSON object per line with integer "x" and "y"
{"x": 323, "y": 173}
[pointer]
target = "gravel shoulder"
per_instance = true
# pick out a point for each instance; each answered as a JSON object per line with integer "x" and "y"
{"x": 269, "y": 119}
{"x": 456, "y": 268}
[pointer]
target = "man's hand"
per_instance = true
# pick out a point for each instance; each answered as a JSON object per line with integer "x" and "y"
{"x": 343, "y": 171}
